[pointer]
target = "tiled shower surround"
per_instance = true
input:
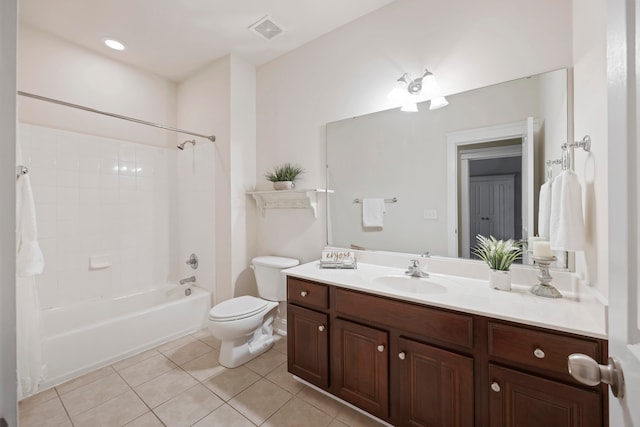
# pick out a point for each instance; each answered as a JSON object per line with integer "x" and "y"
{"x": 96, "y": 196}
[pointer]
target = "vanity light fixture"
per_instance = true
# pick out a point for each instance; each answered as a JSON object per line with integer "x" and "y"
{"x": 410, "y": 91}
{"x": 113, "y": 44}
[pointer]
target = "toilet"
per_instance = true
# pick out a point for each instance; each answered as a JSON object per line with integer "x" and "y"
{"x": 245, "y": 324}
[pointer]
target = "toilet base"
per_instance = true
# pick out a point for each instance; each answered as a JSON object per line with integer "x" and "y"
{"x": 236, "y": 353}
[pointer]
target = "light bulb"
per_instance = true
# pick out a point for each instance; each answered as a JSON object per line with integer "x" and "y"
{"x": 438, "y": 102}
{"x": 114, "y": 44}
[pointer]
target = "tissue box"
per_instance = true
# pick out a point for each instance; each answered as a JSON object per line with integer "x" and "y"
{"x": 338, "y": 259}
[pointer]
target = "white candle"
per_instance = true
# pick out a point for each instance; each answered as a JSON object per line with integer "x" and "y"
{"x": 542, "y": 249}
{"x": 531, "y": 240}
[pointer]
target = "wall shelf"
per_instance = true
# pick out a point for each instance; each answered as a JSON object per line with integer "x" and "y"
{"x": 288, "y": 199}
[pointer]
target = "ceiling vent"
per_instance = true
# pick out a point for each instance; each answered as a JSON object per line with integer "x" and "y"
{"x": 266, "y": 28}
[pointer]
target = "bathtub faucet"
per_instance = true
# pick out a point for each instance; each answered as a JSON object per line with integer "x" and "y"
{"x": 191, "y": 279}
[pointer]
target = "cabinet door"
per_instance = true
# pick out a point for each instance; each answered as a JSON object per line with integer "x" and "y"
{"x": 436, "y": 386}
{"x": 308, "y": 350}
{"x": 521, "y": 400}
{"x": 360, "y": 366}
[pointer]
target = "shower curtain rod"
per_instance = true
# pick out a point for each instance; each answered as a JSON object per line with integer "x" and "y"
{"x": 117, "y": 116}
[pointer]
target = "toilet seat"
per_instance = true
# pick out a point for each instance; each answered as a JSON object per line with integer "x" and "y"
{"x": 237, "y": 308}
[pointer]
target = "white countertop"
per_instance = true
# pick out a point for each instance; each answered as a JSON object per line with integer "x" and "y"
{"x": 582, "y": 315}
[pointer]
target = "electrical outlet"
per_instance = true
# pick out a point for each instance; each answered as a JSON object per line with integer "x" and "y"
{"x": 430, "y": 214}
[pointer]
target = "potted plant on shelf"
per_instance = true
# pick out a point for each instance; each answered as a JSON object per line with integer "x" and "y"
{"x": 283, "y": 176}
{"x": 499, "y": 255}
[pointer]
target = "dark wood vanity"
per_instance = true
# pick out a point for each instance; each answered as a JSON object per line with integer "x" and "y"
{"x": 411, "y": 364}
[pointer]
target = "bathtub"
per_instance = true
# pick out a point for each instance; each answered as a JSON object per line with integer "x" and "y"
{"x": 84, "y": 337}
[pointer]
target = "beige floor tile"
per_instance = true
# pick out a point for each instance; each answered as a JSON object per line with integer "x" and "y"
{"x": 114, "y": 413}
{"x": 204, "y": 366}
{"x": 147, "y": 370}
{"x": 337, "y": 423}
{"x": 134, "y": 360}
{"x": 165, "y": 387}
{"x": 188, "y": 407}
{"x": 187, "y": 352}
{"x": 281, "y": 345}
{"x": 49, "y": 413}
{"x": 297, "y": 412}
{"x": 324, "y": 403}
{"x": 224, "y": 416}
{"x": 211, "y": 342}
{"x": 84, "y": 380}
{"x": 37, "y": 399}
{"x": 260, "y": 401}
{"x": 284, "y": 379}
{"x": 266, "y": 362}
{"x": 147, "y": 420}
{"x": 93, "y": 394}
{"x": 353, "y": 418}
{"x": 229, "y": 382}
{"x": 202, "y": 333}
{"x": 178, "y": 342}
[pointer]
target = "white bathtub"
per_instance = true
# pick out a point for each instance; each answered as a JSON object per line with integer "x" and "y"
{"x": 81, "y": 338}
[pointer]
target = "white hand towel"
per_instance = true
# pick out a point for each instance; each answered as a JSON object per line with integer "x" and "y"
{"x": 29, "y": 258}
{"x": 544, "y": 209}
{"x": 566, "y": 226}
{"x": 372, "y": 212}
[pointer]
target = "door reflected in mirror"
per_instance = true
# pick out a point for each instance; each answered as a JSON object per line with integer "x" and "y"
{"x": 474, "y": 167}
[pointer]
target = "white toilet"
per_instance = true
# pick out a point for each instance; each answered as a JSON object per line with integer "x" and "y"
{"x": 244, "y": 324}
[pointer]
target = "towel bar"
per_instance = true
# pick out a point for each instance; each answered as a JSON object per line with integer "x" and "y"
{"x": 392, "y": 200}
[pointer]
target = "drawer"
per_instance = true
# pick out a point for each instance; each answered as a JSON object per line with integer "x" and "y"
{"x": 306, "y": 293}
{"x": 430, "y": 323}
{"x": 540, "y": 351}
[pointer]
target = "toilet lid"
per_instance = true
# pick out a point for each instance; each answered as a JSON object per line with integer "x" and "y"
{"x": 275, "y": 261}
{"x": 237, "y": 308}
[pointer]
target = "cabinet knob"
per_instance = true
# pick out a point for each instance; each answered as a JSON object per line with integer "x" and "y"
{"x": 538, "y": 353}
{"x": 495, "y": 387}
{"x": 380, "y": 348}
{"x": 402, "y": 355}
{"x": 303, "y": 293}
{"x": 321, "y": 328}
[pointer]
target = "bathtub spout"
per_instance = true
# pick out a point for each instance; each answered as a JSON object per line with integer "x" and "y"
{"x": 191, "y": 279}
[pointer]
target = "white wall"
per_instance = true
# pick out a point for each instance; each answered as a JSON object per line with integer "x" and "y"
{"x": 8, "y": 61}
{"x": 54, "y": 68}
{"x": 590, "y": 118}
{"x": 350, "y": 71}
{"x": 215, "y": 220}
{"x": 97, "y": 197}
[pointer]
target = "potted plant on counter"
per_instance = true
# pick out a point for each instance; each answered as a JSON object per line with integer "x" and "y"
{"x": 499, "y": 255}
{"x": 283, "y": 176}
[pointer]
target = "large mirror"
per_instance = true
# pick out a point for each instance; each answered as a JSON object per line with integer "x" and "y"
{"x": 473, "y": 167}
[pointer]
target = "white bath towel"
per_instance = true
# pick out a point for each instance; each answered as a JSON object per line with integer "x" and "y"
{"x": 566, "y": 225}
{"x": 544, "y": 209}
{"x": 372, "y": 212}
{"x": 29, "y": 258}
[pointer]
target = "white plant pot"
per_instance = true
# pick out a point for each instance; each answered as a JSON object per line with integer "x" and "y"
{"x": 284, "y": 185}
{"x": 500, "y": 280}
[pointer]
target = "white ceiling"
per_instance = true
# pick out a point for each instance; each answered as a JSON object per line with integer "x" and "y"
{"x": 173, "y": 38}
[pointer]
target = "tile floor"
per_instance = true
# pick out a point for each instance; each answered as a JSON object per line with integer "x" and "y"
{"x": 180, "y": 383}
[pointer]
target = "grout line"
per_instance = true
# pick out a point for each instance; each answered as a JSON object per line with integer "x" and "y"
{"x": 58, "y": 395}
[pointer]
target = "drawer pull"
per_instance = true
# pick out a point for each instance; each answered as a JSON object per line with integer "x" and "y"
{"x": 303, "y": 294}
{"x": 402, "y": 355}
{"x": 495, "y": 387}
{"x": 538, "y": 353}
{"x": 380, "y": 348}
{"x": 321, "y": 328}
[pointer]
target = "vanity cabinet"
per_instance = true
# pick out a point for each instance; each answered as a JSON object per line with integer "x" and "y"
{"x": 360, "y": 366}
{"x": 308, "y": 331}
{"x": 411, "y": 364}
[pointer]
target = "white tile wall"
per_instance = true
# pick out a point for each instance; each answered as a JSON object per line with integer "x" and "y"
{"x": 97, "y": 196}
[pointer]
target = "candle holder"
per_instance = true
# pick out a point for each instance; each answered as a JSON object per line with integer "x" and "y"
{"x": 544, "y": 288}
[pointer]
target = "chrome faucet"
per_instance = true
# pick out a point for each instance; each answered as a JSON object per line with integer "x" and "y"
{"x": 414, "y": 270}
{"x": 191, "y": 279}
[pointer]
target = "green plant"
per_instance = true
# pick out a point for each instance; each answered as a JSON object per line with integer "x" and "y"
{"x": 284, "y": 172}
{"x": 498, "y": 254}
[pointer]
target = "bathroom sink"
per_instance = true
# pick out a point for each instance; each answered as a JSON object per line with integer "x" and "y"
{"x": 407, "y": 284}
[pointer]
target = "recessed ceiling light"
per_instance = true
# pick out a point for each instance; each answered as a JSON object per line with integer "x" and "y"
{"x": 114, "y": 44}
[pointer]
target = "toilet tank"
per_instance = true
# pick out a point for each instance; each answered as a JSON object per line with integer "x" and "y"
{"x": 271, "y": 284}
